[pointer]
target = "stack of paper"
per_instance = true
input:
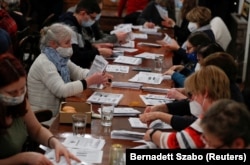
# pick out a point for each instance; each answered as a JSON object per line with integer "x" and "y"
{"x": 155, "y": 89}
{"x": 130, "y": 85}
{"x": 128, "y": 60}
{"x": 151, "y": 99}
{"x": 99, "y": 64}
{"x": 148, "y": 44}
{"x": 126, "y": 135}
{"x": 103, "y": 97}
{"x": 148, "y": 55}
{"x": 147, "y": 77}
{"x": 156, "y": 124}
{"x": 117, "y": 68}
{"x": 88, "y": 150}
{"x": 124, "y": 111}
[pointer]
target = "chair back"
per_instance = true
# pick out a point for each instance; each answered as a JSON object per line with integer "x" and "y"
{"x": 221, "y": 32}
{"x": 52, "y": 18}
{"x": 29, "y": 49}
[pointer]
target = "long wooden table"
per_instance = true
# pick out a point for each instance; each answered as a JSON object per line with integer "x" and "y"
{"x": 131, "y": 98}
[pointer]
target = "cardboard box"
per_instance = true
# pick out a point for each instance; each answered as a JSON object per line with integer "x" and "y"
{"x": 66, "y": 117}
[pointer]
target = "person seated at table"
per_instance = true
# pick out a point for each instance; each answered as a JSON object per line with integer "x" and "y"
{"x": 180, "y": 72}
{"x": 5, "y": 42}
{"x": 227, "y": 63}
{"x": 180, "y": 111}
{"x": 181, "y": 31}
{"x": 199, "y": 20}
{"x": 226, "y": 125}
{"x": 94, "y": 33}
{"x": 156, "y": 12}
{"x": 53, "y": 76}
{"x": 203, "y": 91}
{"x": 84, "y": 51}
{"x": 18, "y": 120}
{"x": 133, "y": 9}
{"x": 8, "y": 24}
{"x": 12, "y": 6}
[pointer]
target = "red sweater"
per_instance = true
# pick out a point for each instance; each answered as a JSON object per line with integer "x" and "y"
{"x": 131, "y": 6}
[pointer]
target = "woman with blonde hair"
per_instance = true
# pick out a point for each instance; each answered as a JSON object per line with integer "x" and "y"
{"x": 203, "y": 91}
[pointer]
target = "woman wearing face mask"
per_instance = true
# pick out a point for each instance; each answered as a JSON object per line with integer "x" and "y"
{"x": 180, "y": 72}
{"x": 180, "y": 109}
{"x": 199, "y": 20}
{"x": 52, "y": 76}
{"x": 181, "y": 32}
{"x": 203, "y": 91}
{"x": 18, "y": 121}
{"x": 84, "y": 51}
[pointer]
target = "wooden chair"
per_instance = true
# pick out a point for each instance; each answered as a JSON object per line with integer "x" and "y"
{"x": 29, "y": 49}
{"x": 52, "y": 18}
{"x": 19, "y": 36}
{"x": 43, "y": 115}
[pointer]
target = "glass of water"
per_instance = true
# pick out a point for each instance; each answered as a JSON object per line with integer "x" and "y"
{"x": 79, "y": 121}
{"x": 107, "y": 111}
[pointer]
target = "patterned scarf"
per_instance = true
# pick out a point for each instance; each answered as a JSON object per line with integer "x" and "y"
{"x": 58, "y": 61}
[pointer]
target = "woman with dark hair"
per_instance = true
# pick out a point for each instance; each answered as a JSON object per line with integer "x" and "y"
{"x": 181, "y": 32}
{"x": 180, "y": 72}
{"x": 17, "y": 120}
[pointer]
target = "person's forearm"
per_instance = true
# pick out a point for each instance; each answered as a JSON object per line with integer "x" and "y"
{"x": 19, "y": 158}
{"x": 165, "y": 117}
{"x": 42, "y": 136}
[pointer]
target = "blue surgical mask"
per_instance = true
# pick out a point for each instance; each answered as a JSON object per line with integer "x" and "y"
{"x": 88, "y": 23}
{"x": 192, "y": 57}
{"x": 11, "y": 101}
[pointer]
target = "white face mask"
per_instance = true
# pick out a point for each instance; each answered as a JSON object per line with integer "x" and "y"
{"x": 11, "y": 101}
{"x": 195, "y": 108}
{"x": 197, "y": 67}
{"x": 98, "y": 16}
{"x": 192, "y": 27}
{"x": 65, "y": 52}
{"x": 88, "y": 23}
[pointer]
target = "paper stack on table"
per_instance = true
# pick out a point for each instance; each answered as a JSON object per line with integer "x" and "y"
{"x": 151, "y": 99}
{"x": 88, "y": 150}
{"x": 130, "y": 85}
{"x": 126, "y": 135}
{"x": 135, "y": 122}
{"x": 128, "y": 60}
{"x": 124, "y": 111}
{"x": 147, "y": 77}
{"x": 103, "y": 97}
